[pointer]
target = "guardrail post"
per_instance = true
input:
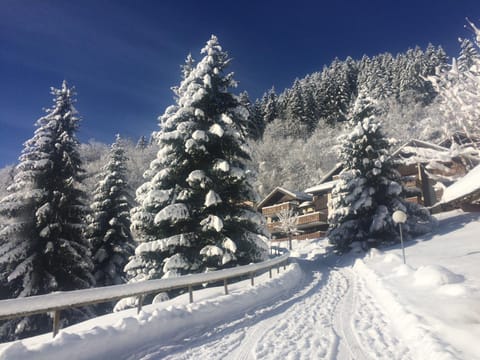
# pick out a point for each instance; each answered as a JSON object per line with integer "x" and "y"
{"x": 285, "y": 265}
{"x": 190, "y": 293}
{"x": 56, "y": 322}
{"x": 270, "y": 272}
{"x": 225, "y": 286}
{"x": 252, "y": 277}
{"x": 140, "y": 303}
{"x": 278, "y": 269}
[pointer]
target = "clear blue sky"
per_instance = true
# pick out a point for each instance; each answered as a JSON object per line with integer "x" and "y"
{"x": 123, "y": 56}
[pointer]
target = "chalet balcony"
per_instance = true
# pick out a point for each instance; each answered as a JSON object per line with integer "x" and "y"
{"x": 275, "y": 209}
{"x": 304, "y": 236}
{"x": 303, "y": 222}
{"x": 312, "y": 218}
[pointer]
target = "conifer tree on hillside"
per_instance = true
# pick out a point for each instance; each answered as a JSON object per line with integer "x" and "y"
{"x": 368, "y": 192}
{"x": 108, "y": 229}
{"x": 194, "y": 211}
{"x": 253, "y": 128}
{"x": 42, "y": 248}
{"x": 142, "y": 143}
{"x": 269, "y": 106}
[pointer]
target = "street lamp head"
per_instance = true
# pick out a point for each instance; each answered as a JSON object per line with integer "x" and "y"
{"x": 399, "y": 217}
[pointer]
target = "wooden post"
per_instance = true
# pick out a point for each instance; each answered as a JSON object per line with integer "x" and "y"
{"x": 252, "y": 276}
{"x": 270, "y": 272}
{"x": 140, "y": 303}
{"x": 225, "y": 286}
{"x": 56, "y": 322}
{"x": 190, "y": 292}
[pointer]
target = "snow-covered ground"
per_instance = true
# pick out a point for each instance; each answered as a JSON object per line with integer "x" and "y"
{"x": 322, "y": 306}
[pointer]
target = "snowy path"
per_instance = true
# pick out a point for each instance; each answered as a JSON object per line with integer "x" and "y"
{"x": 330, "y": 315}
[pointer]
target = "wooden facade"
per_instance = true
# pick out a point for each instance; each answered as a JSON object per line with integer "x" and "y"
{"x": 309, "y": 209}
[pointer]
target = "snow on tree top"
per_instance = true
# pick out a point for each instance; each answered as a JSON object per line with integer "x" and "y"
{"x": 212, "y": 199}
{"x": 211, "y": 250}
{"x": 199, "y": 135}
{"x": 216, "y": 129}
{"x": 229, "y": 245}
{"x": 221, "y": 165}
{"x": 212, "y": 222}
{"x": 163, "y": 244}
{"x": 227, "y": 119}
{"x": 156, "y": 197}
{"x": 172, "y": 213}
{"x": 237, "y": 173}
{"x": 177, "y": 261}
{"x": 198, "y": 177}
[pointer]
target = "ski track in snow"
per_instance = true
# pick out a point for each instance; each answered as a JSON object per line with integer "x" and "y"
{"x": 330, "y": 315}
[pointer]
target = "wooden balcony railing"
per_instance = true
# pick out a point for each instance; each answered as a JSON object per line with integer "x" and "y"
{"x": 315, "y": 217}
{"x": 304, "y": 236}
{"x": 275, "y": 209}
{"x": 302, "y": 221}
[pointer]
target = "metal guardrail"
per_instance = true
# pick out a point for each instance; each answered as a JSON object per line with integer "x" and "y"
{"x": 56, "y": 302}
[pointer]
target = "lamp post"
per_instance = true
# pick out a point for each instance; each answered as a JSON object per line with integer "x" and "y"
{"x": 399, "y": 217}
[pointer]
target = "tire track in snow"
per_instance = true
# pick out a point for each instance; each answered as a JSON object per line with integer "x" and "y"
{"x": 225, "y": 338}
{"x": 373, "y": 327}
{"x": 306, "y": 329}
{"x": 364, "y": 329}
{"x": 331, "y": 315}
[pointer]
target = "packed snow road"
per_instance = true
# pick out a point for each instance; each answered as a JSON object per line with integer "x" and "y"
{"x": 329, "y": 315}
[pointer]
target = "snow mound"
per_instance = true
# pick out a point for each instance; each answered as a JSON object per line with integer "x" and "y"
{"x": 402, "y": 270}
{"x": 373, "y": 253}
{"x": 392, "y": 258}
{"x": 435, "y": 275}
{"x": 453, "y": 290}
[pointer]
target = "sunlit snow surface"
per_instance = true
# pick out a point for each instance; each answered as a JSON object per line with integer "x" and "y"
{"x": 323, "y": 306}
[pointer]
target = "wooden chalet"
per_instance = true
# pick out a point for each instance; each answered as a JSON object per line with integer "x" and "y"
{"x": 310, "y": 211}
{"x": 426, "y": 170}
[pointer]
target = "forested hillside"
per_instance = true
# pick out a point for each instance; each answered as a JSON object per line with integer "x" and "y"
{"x": 412, "y": 94}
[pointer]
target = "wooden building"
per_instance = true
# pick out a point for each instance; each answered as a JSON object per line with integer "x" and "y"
{"x": 426, "y": 170}
{"x": 309, "y": 210}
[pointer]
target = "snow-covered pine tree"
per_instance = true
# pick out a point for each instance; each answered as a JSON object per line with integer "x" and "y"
{"x": 368, "y": 192}
{"x": 42, "y": 248}
{"x": 108, "y": 229}
{"x": 254, "y": 126}
{"x": 194, "y": 211}
{"x": 142, "y": 143}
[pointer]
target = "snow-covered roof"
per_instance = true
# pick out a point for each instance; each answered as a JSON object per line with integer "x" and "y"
{"x": 322, "y": 187}
{"x": 334, "y": 171}
{"x": 414, "y": 143}
{"x": 464, "y": 187}
{"x": 305, "y": 204}
{"x": 297, "y": 195}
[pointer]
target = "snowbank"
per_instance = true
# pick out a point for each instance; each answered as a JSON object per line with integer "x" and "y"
{"x": 435, "y": 298}
{"x": 116, "y": 335}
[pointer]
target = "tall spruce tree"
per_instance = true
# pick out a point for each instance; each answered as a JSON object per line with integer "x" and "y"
{"x": 108, "y": 228}
{"x": 194, "y": 211}
{"x": 369, "y": 191}
{"x": 42, "y": 248}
